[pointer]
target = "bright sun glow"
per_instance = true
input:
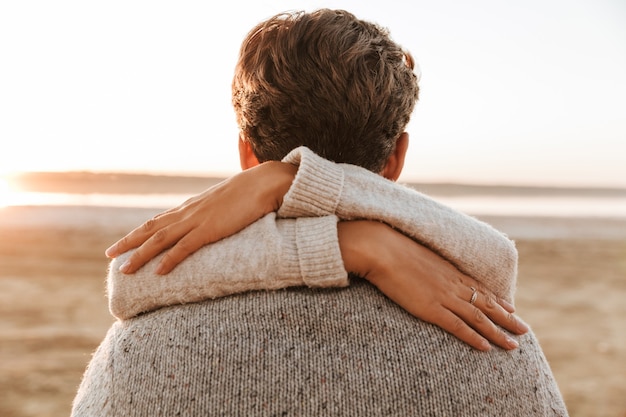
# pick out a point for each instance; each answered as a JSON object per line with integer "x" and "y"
{"x": 7, "y": 194}
{"x": 11, "y": 195}
{"x": 498, "y": 104}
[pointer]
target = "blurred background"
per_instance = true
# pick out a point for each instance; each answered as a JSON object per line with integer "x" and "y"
{"x": 113, "y": 111}
{"x": 512, "y": 92}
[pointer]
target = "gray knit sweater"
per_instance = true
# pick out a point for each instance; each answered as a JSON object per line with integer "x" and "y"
{"x": 304, "y": 351}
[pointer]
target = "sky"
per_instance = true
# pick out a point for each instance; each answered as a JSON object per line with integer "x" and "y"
{"x": 530, "y": 92}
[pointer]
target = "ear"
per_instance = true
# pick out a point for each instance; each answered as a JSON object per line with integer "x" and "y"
{"x": 247, "y": 158}
{"x": 395, "y": 163}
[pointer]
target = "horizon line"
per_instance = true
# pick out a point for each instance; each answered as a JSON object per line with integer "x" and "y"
{"x": 78, "y": 175}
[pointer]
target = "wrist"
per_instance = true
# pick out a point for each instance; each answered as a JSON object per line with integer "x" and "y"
{"x": 358, "y": 243}
{"x": 278, "y": 177}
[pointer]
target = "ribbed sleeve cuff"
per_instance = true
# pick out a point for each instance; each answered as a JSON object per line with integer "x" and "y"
{"x": 289, "y": 256}
{"x": 320, "y": 258}
{"x": 317, "y": 187}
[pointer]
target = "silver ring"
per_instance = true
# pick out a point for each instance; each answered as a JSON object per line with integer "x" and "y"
{"x": 474, "y": 295}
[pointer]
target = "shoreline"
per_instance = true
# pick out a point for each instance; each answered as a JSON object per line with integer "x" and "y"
{"x": 126, "y": 182}
{"x": 124, "y": 219}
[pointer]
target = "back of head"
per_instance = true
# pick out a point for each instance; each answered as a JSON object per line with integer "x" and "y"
{"x": 325, "y": 80}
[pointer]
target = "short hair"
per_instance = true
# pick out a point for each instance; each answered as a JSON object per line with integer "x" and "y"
{"x": 326, "y": 80}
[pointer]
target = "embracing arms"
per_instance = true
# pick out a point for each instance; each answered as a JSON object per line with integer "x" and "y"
{"x": 266, "y": 255}
{"x": 321, "y": 187}
{"x": 309, "y": 185}
{"x": 314, "y": 251}
{"x": 477, "y": 249}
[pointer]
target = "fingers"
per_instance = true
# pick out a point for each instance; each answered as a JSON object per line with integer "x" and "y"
{"x": 485, "y": 327}
{"x": 458, "y": 327}
{"x": 486, "y": 315}
{"x": 468, "y": 323}
{"x": 493, "y": 308}
{"x": 187, "y": 245}
{"x": 136, "y": 237}
{"x": 506, "y": 305}
{"x": 157, "y": 243}
{"x": 471, "y": 283}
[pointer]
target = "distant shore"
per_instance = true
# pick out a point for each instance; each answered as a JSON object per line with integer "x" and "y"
{"x": 122, "y": 220}
{"x": 117, "y": 183}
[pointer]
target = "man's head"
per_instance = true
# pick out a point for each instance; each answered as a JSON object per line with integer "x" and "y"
{"x": 325, "y": 80}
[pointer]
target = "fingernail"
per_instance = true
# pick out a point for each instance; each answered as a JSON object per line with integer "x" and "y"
{"x": 508, "y": 305}
{"x": 125, "y": 267}
{"x": 512, "y": 342}
{"x": 110, "y": 252}
{"x": 522, "y": 325}
{"x": 160, "y": 269}
{"x": 485, "y": 346}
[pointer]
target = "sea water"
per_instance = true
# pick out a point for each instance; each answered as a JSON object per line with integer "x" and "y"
{"x": 493, "y": 205}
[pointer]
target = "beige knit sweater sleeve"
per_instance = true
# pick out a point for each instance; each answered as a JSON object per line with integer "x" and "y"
{"x": 477, "y": 249}
{"x": 269, "y": 254}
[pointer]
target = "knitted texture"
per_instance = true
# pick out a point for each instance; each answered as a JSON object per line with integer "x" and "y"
{"x": 274, "y": 254}
{"x": 267, "y": 255}
{"x": 474, "y": 247}
{"x": 307, "y": 352}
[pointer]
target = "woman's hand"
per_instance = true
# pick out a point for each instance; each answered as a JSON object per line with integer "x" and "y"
{"x": 218, "y": 212}
{"x": 426, "y": 285}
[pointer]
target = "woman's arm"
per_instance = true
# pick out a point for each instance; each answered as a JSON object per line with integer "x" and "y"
{"x": 266, "y": 255}
{"x": 218, "y": 212}
{"x": 312, "y": 251}
{"x": 477, "y": 249}
{"x": 322, "y": 187}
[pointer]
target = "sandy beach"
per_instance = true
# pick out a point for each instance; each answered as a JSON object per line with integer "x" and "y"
{"x": 571, "y": 290}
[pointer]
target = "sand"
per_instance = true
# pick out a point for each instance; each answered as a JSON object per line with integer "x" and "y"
{"x": 572, "y": 290}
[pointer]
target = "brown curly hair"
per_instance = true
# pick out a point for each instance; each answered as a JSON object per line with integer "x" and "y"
{"x": 325, "y": 80}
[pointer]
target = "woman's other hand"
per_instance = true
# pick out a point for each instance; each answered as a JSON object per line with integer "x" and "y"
{"x": 428, "y": 286}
